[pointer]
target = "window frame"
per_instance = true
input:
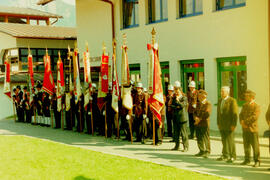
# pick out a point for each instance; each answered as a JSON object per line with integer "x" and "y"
{"x": 233, "y": 69}
{"x": 134, "y": 18}
{"x": 234, "y": 5}
{"x": 162, "y": 19}
{"x": 194, "y": 13}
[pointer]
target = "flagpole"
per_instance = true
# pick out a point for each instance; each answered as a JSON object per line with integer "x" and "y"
{"x": 92, "y": 123}
{"x": 51, "y": 118}
{"x": 154, "y": 128}
{"x": 130, "y": 130}
{"x": 117, "y": 120}
{"x": 154, "y": 131}
{"x": 106, "y": 135}
{"x": 14, "y": 111}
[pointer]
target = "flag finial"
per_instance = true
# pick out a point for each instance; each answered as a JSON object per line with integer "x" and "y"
{"x": 124, "y": 39}
{"x": 86, "y": 44}
{"x": 46, "y": 51}
{"x": 114, "y": 46}
{"x": 153, "y": 36}
{"x": 59, "y": 55}
{"x": 29, "y": 51}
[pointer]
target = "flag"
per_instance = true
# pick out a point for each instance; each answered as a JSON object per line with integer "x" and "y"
{"x": 30, "y": 70}
{"x": 7, "y": 79}
{"x": 60, "y": 84}
{"x": 156, "y": 100}
{"x": 104, "y": 74}
{"x": 77, "y": 82}
{"x": 125, "y": 81}
{"x": 87, "y": 77}
{"x": 48, "y": 83}
{"x": 101, "y": 95}
{"x": 115, "y": 86}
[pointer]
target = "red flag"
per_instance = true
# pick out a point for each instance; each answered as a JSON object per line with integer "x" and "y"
{"x": 60, "y": 84}
{"x": 30, "y": 70}
{"x": 156, "y": 100}
{"x": 7, "y": 80}
{"x": 104, "y": 74}
{"x": 48, "y": 83}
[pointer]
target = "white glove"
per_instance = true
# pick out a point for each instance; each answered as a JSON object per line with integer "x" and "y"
{"x": 90, "y": 98}
{"x": 128, "y": 117}
{"x": 103, "y": 113}
{"x": 147, "y": 120}
{"x": 89, "y": 113}
{"x": 144, "y": 116}
{"x": 194, "y": 105}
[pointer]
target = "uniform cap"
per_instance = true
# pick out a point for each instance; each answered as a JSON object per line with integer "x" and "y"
{"x": 192, "y": 84}
{"x": 177, "y": 84}
{"x": 170, "y": 88}
{"x": 94, "y": 85}
{"x": 145, "y": 89}
{"x": 139, "y": 85}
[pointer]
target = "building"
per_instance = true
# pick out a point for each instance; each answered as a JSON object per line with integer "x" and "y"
{"x": 214, "y": 42}
{"x": 22, "y": 28}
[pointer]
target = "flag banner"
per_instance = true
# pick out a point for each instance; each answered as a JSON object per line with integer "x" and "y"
{"x": 86, "y": 98}
{"x": 104, "y": 74}
{"x": 101, "y": 95}
{"x": 60, "y": 84}
{"x": 87, "y": 67}
{"x": 7, "y": 79}
{"x": 156, "y": 100}
{"x": 125, "y": 81}
{"x": 115, "y": 86}
{"x": 125, "y": 77}
{"x": 30, "y": 70}
{"x": 48, "y": 83}
{"x": 77, "y": 82}
{"x": 150, "y": 69}
{"x": 68, "y": 97}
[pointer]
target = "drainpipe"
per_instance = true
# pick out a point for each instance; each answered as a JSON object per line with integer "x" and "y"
{"x": 269, "y": 46}
{"x": 113, "y": 25}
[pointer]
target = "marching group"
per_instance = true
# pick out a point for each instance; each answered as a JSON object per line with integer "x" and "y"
{"x": 38, "y": 107}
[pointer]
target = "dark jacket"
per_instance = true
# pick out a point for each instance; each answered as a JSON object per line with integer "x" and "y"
{"x": 180, "y": 114}
{"x": 203, "y": 112}
{"x": 249, "y": 115}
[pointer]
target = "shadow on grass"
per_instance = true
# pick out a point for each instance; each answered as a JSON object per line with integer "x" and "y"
{"x": 82, "y": 178}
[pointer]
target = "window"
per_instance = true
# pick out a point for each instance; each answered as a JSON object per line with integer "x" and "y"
{"x": 130, "y": 11}
{"x": 232, "y": 72}
{"x": 134, "y": 70}
{"x": 228, "y": 4}
{"x": 158, "y": 10}
{"x": 190, "y": 8}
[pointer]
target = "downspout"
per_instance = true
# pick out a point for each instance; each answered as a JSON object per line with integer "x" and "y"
{"x": 269, "y": 46}
{"x": 113, "y": 25}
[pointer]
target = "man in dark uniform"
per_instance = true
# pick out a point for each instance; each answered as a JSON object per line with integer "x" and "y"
{"x": 14, "y": 97}
{"x": 46, "y": 109}
{"x": 169, "y": 112}
{"x": 180, "y": 116}
{"x": 26, "y": 104}
{"x": 248, "y": 117}
{"x": 227, "y": 114}
{"x": 140, "y": 111}
{"x": 110, "y": 113}
{"x": 95, "y": 109}
{"x": 57, "y": 114}
{"x": 202, "y": 123}
{"x": 19, "y": 99}
{"x": 192, "y": 102}
{"x": 39, "y": 98}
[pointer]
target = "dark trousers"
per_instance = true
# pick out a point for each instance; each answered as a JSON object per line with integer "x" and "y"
{"x": 88, "y": 123}
{"x": 20, "y": 114}
{"x": 228, "y": 149}
{"x": 158, "y": 132}
{"x": 181, "y": 130}
{"x": 251, "y": 139}
{"x": 169, "y": 124}
{"x": 80, "y": 121}
{"x": 203, "y": 140}
{"x": 191, "y": 124}
{"x": 69, "y": 117}
{"x": 57, "y": 117}
{"x": 28, "y": 115}
{"x": 141, "y": 128}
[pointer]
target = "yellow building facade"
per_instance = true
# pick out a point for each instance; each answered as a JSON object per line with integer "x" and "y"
{"x": 215, "y": 46}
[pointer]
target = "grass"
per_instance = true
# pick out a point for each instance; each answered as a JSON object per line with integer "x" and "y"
{"x": 29, "y": 158}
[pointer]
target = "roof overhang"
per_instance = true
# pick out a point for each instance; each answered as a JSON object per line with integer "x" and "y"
{"x": 44, "y": 2}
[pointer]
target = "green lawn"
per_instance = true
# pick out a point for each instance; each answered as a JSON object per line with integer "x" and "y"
{"x": 29, "y": 158}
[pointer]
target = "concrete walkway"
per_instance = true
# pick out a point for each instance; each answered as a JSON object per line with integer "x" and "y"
{"x": 156, "y": 154}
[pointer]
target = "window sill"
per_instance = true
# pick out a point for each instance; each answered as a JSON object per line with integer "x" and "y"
{"x": 190, "y": 15}
{"x": 130, "y": 27}
{"x": 158, "y": 21}
{"x": 231, "y": 7}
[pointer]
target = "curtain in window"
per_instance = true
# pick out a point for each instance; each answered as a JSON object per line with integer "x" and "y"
{"x": 127, "y": 12}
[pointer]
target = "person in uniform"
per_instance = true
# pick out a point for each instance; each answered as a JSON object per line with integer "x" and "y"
{"x": 227, "y": 114}
{"x": 267, "y": 117}
{"x": 192, "y": 96}
{"x": 249, "y": 121}
{"x": 110, "y": 113}
{"x": 180, "y": 116}
{"x": 140, "y": 105}
{"x": 26, "y": 104}
{"x": 14, "y": 97}
{"x": 95, "y": 109}
{"x": 202, "y": 123}
{"x": 19, "y": 99}
{"x": 57, "y": 114}
{"x": 46, "y": 109}
{"x": 169, "y": 112}
{"x": 39, "y": 97}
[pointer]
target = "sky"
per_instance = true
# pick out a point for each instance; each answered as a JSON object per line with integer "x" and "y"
{"x": 65, "y": 8}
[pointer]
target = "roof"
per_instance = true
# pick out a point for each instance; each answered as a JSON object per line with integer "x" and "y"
{"x": 26, "y": 12}
{"x": 37, "y": 31}
{"x": 44, "y": 2}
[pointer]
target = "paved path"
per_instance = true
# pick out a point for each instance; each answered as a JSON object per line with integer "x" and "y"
{"x": 156, "y": 154}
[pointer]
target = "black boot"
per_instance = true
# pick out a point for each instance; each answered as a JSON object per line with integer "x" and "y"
{"x": 176, "y": 147}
